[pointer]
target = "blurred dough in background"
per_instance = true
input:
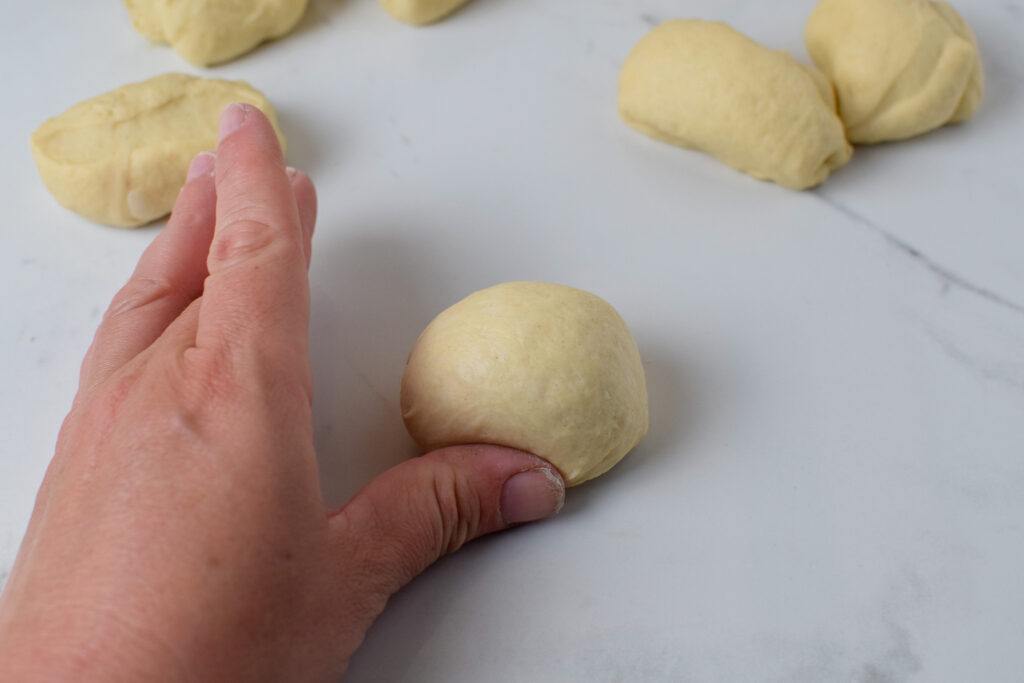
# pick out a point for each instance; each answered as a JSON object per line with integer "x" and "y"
{"x": 421, "y": 11}
{"x": 900, "y": 67}
{"x": 703, "y": 85}
{"x": 205, "y": 32}
{"x": 120, "y": 158}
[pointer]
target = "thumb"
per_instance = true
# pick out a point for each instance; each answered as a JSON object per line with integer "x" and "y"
{"x": 414, "y": 513}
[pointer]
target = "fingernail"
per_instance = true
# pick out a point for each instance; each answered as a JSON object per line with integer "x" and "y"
{"x": 533, "y": 495}
{"x": 231, "y": 118}
{"x": 202, "y": 164}
{"x": 291, "y": 172}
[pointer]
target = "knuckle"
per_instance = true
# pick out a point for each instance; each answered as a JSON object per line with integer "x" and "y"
{"x": 138, "y": 292}
{"x": 241, "y": 238}
{"x": 457, "y": 510}
{"x": 188, "y": 213}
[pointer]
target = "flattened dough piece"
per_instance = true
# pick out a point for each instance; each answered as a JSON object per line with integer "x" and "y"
{"x": 702, "y": 85}
{"x": 121, "y": 157}
{"x": 900, "y": 67}
{"x": 205, "y": 32}
{"x": 545, "y": 368}
{"x": 421, "y": 12}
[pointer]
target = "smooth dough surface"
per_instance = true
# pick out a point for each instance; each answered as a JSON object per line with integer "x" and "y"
{"x": 900, "y": 67}
{"x": 121, "y": 157}
{"x": 205, "y": 32}
{"x": 702, "y": 85}
{"x": 545, "y": 368}
{"x": 420, "y": 12}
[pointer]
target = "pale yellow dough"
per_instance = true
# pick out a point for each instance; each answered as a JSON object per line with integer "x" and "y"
{"x": 205, "y": 32}
{"x": 545, "y": 368}
{"x": 420, "y": 12}
{"x": 121, "y": 157}
{"x": 702, "y": 85}
{"x": 900, "y": 67}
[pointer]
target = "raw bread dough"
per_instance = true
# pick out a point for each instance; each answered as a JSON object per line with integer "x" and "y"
{"x": 544, "y": 368}
{"x": 421, "y": 11}
{"x": 703, "y": 85}
{"x": 121, "y": 157}
{"x": 205, "y": 32}
{"x": 901, "y": 67}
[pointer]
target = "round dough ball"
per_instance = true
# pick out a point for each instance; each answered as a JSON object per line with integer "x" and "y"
{"x": 205, "y": 32}
{"x": 900, "y": 67}
{"x": 420, "y": 12}
{"x": 544, "y": 368}
{"x": 705, "y": 86}
{"x": 120, "y": 158}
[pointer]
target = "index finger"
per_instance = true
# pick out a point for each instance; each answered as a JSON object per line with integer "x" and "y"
{"x": 257, "y": 292}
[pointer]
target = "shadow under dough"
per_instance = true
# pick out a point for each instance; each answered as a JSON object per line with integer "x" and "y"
{"x": 373, "y": 292}
{"x": 673, "y": 388}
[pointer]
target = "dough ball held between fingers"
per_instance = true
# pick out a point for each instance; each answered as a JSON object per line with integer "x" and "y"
{"x": 543, "y": 368}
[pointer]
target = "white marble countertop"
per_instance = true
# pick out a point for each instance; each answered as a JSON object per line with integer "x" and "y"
{"x": 832, "y": 488}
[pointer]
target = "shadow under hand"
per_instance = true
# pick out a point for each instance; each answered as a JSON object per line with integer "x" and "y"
{"x": 397, "y": 640}
{"x": 367, "y": 311}
{"x": 305, "y": 140}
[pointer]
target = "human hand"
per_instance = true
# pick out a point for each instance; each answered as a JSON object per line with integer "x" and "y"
{"x": 180, "y": 532}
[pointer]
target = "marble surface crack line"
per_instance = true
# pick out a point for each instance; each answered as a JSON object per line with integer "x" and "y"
{"x": 946, "y": 276}
{"x": 365, "y": 379}
{"x": 984, "y": 371}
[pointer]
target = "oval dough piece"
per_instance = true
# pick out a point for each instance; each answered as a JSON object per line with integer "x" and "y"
{"x": 702, "y": 85}
{"x": 121, "y": 157}
{"x": 900, "y": 67}
{"x": 545, "y": 368}
{"x": 205, "y": 32}
{"x": 420, "y": 12}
